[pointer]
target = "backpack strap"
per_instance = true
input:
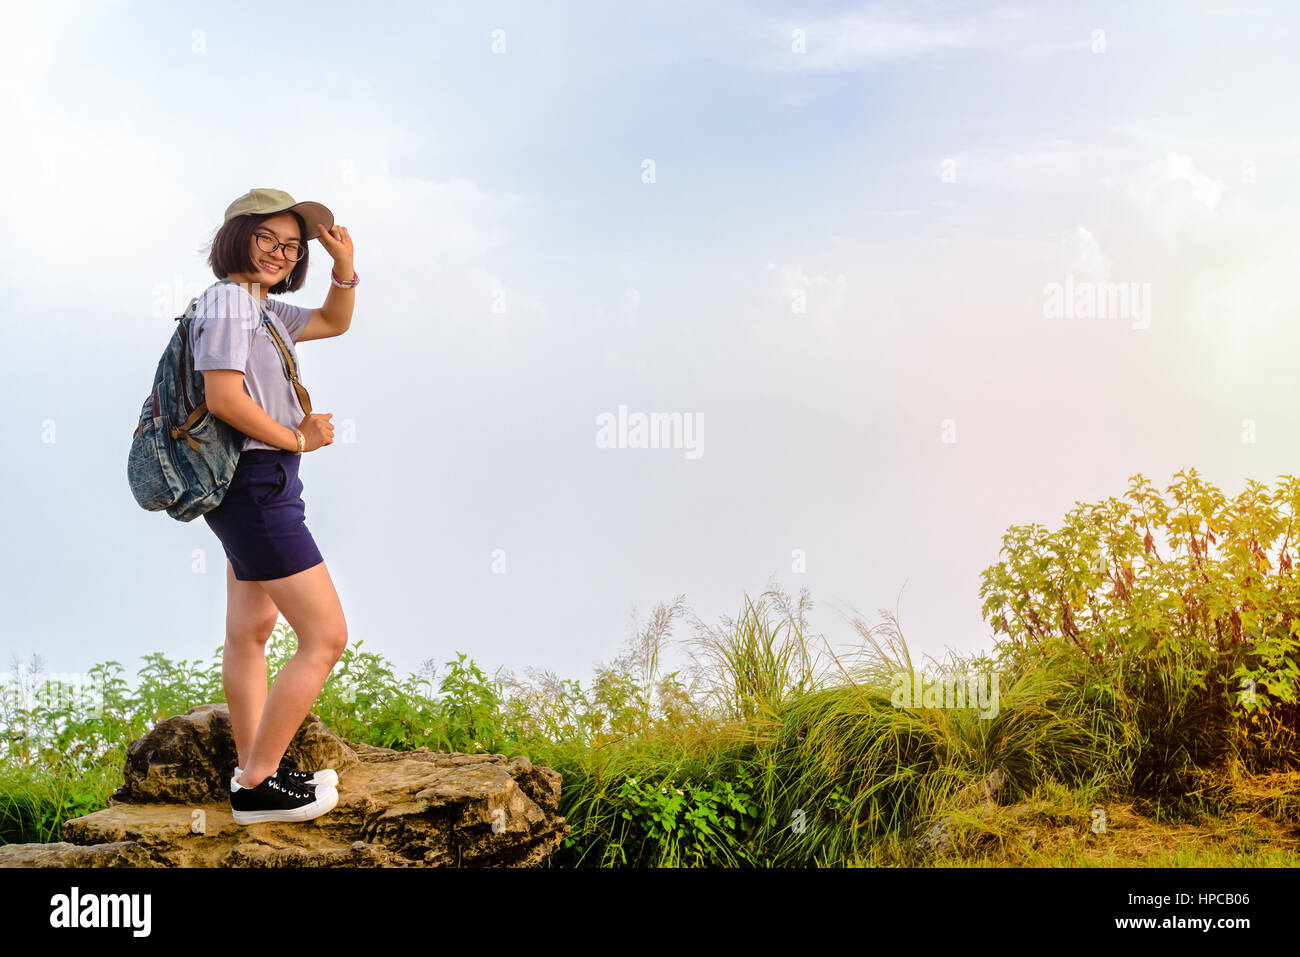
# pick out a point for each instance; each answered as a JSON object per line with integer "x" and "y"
{"x": 290, "y": 370}
{"x": 286, "y": 358}
{"x": 197, "y": 412}
{"x": 183, "y": 430}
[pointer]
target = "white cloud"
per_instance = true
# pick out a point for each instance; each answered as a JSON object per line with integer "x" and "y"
{"x": 1176, "y": 174}
{"x": 1085, "y": 257}
{"x": 889, "y": 33}
{"x": 860, "y": 39}
{"x": 1046, "y": 166}
{"x": 1221, "y": 266}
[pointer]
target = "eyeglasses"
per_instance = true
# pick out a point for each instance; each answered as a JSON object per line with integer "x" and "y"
{"x": 293, "y": 251}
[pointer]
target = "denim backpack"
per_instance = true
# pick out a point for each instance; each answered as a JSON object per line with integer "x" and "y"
{"x": 182, "y": 456}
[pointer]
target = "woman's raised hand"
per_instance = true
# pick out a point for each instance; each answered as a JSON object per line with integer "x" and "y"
{"x": 338, "y": 244}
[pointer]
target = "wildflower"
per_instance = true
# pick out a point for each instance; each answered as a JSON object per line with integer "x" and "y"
{"x": 678, "y": 790}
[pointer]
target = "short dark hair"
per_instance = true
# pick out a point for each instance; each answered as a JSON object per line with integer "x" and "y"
{"x": 229, "y": 250}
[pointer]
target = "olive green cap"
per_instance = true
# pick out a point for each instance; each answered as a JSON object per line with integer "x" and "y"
{"x": 262, "y": 201}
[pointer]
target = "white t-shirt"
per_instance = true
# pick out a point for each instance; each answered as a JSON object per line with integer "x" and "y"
{"x": 228, "y": 332}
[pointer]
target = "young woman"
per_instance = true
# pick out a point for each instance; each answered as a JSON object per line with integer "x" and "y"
{"x": 273, "y": 565}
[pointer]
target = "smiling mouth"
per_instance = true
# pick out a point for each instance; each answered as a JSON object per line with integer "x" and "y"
{"x": 269, "y": 267}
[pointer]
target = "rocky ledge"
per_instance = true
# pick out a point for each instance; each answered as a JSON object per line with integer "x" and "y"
{"x": 417, "y": 808}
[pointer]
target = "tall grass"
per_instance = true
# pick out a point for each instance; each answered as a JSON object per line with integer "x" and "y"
{"x": 844, "y": 767}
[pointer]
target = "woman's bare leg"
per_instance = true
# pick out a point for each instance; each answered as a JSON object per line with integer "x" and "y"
{"x": 251, "y": 616}
{"x": 310, "y": 604}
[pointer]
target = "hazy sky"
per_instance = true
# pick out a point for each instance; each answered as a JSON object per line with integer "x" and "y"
{"x": 828, "y": 233}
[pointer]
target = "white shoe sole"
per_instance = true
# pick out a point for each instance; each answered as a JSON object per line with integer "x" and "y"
{"x": 326, "y": 798}
{"x": 328, "y": 776}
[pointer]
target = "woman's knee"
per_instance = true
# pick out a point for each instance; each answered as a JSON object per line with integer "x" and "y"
{"x": 326, "y": 641}
{"x": 255, "y": 630}
{"x": 251, "y": 614}
{"x": 339, "y": 642}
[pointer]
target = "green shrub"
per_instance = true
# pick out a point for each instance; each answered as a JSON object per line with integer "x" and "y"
{"x": 1200, "y": 643}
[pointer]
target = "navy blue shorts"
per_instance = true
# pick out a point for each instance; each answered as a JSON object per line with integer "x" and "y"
{"x": 261, "y": 521}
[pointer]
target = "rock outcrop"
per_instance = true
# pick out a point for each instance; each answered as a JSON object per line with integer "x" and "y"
{"x": 939, "y": 838}
{"x": 417, "y": 808}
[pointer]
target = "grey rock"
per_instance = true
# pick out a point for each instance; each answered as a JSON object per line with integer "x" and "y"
{"x": 938, "y": 839}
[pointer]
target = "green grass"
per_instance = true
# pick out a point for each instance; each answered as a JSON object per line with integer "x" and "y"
{"x": 767, "y": 753}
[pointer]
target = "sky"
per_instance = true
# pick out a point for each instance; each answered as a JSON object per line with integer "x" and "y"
{"x": 829, "y": 235}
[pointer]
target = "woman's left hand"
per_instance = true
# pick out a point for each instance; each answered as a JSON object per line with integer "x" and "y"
{"x": 338, "y": 244}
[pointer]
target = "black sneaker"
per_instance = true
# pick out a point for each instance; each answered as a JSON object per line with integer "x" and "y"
{"x": 276, "y": 800}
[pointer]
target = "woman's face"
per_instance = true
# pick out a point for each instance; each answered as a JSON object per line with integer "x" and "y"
{"x": 270, "y": 268}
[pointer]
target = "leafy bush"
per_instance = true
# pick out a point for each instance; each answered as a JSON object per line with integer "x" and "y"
{"x": 659, "y": 823}
{"x": 1200, "y": 644}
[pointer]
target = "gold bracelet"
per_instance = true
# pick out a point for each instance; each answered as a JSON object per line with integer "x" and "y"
{"x": 302, "y": 441}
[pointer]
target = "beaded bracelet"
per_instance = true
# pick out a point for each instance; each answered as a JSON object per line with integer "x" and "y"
{"x": 344, "y": 285}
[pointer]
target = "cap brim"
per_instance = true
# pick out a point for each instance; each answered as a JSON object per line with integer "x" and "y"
{"x": 313, "y": 213}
